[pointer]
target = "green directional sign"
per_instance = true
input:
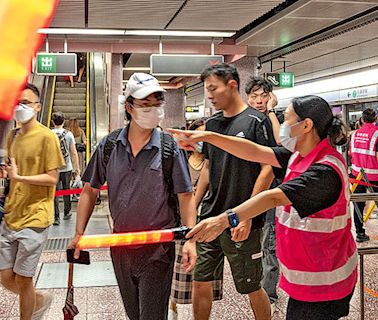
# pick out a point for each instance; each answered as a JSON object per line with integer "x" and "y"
{"x": 56, "y": 64}
{"x": 286, "y": 80}
{"x": 46, "y": 63}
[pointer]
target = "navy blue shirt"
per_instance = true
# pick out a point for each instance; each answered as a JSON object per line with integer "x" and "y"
{"x": 138, "y": 194}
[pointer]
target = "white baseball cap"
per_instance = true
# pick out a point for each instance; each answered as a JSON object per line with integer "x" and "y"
{"x": 141, "y": 85}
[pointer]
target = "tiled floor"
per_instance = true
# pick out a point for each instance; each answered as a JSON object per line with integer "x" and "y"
{"x": 105, "y": 303}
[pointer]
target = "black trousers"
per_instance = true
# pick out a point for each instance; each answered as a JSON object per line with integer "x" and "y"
{"x": 361, "y": 205}
{"x": 64, "y": 181}
{"x": 324, "y": 310}
{"x": 144, "y": 278}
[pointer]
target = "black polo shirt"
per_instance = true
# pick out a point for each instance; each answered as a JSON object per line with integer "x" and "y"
{"x": 231, "y": 179}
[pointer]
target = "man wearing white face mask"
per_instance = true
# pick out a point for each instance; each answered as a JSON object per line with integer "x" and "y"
{"x": 132, "y": 161}
{"x": 35, "y": 157}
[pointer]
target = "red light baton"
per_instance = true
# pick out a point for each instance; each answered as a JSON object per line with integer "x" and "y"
{"x": 131, "y": 238}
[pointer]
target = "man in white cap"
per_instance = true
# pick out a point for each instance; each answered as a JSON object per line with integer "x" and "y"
{"x": 133, "y": 163}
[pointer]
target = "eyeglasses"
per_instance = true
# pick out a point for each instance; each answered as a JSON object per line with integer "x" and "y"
{"x": 138, "y": 106}
{"x": 27, "y": 102}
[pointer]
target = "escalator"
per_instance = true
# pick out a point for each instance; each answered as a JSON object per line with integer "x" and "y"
{"x": 71, "y": 101}
{"x": 86, "y": 101}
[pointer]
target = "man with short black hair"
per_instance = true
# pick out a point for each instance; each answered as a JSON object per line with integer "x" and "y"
{"x": 364, "y": 155}
{"x": 140, "y": 199}
{"x": 261, "y": 97}
{"x": 33, "y": 171}
{"x": 69, "y": 152}
{"x": 230, "y": 181}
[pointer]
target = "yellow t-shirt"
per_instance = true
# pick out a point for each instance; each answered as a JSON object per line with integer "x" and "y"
{"x": 36, "y": 152}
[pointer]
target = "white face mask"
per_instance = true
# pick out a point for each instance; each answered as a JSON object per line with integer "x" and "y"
{"x": 148, "y": 118}
{"x": 24, "y": 113}
{"x": 287, "y": 141}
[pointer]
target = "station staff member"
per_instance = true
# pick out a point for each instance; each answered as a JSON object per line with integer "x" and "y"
{"x": 363, "y": 151}
{"x": 315, "y": 247}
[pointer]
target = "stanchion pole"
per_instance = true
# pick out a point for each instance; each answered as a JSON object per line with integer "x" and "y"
{"x": 362, "y": 286}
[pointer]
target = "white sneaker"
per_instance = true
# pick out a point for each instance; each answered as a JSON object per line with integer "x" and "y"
{"x": 273, "y": 308}
{"x": 373, "y": 215}
{"x": 172, "y": 315}
{"x": 47, "y": 300}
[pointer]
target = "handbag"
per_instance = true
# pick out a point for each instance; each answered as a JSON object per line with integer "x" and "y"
{"x": 81, "y": 147}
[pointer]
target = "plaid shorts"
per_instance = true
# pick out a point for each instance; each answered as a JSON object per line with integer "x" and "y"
{"x": 181, "y": 291}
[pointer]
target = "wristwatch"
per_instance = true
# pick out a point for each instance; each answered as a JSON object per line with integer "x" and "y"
{"x": 272, "y": 110}
{"x": 233, "y": 219}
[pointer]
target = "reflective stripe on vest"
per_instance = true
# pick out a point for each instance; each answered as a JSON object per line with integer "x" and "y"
{"x": 368, "y": 171}
{"x": 292, "y": 220}
{"x": 340, "y": 165}
{"x": 322, "y": 277}
{"x": 373, "y": 142}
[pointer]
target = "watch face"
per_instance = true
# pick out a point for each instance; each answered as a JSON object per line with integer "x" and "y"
{"x": 233, "y": 219}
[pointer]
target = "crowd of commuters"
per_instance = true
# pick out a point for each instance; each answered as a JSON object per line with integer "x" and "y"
{"x": 267, "y": 191}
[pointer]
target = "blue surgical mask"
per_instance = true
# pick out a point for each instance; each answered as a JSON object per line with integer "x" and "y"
{"x": 287, "y": 141}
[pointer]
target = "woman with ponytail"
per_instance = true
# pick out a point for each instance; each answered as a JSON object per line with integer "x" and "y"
{"x": 315, "y": 247}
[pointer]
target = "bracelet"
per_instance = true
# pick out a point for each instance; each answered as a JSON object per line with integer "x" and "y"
{"x": 272, "y": 110}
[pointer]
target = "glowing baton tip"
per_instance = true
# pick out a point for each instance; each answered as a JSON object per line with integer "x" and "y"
{"x": 131, "y": 238}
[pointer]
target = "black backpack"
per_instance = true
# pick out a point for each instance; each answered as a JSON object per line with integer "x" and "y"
{"x": 63, "y": 144}
{"x": 167, "y": 143}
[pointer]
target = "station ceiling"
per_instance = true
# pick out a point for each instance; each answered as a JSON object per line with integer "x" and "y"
{"x": 312, "y": 38}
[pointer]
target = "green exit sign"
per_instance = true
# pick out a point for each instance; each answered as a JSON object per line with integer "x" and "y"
{"x": 56, "y": 64}
{"x": 46, "y": 63}
{"x": 286, "y": 80}
{"x": 280, "y": 80}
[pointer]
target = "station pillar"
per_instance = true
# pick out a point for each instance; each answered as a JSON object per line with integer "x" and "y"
{"x": 117, "y": 111}
{"x": 174, "y": 109}
{"x": 247, "y": 67}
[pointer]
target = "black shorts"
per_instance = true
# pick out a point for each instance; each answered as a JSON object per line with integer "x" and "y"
{"x": 244, "y": 258}
{"x": 324, "y": 310}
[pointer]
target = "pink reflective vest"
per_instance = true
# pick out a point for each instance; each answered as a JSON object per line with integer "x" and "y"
{"x": 363, "y": 151}
{"x": 317, "y": 254}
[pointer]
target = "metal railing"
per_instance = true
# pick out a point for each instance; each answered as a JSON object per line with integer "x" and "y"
{"x": 362, "y": 197}
{"x": 362, "y": 252}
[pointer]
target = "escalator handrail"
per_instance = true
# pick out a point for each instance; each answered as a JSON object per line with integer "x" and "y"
{"x": 51, "y": 103}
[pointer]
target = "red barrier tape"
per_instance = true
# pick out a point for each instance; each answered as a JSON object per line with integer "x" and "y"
{"x": 59, "y": 193}
{"x": 362, "y": 183}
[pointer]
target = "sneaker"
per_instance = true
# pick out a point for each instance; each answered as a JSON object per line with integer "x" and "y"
{"x": 362, "y": 237}
{"x": 67, "y": 216}
{"x": 47, "y": 300}
{"x": 272, "y": 308}
{"x": 172, "y": 315}
{"x": 56, "y": 222}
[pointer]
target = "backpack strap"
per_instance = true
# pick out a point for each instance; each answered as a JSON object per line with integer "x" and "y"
{"x": 110, "y": 142}
{"x": 168, "y": 147}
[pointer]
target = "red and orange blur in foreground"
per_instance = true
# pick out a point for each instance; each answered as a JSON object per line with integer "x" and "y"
{"x": 19, "y": 40}
{"x": 125, "y": 239}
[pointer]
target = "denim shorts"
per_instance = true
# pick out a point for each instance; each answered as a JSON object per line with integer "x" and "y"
{"x": 21, "y": 250}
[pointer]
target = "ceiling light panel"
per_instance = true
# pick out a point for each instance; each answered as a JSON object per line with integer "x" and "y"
{"x": 131, "y": 14}
{"x": 221, "y": 15}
